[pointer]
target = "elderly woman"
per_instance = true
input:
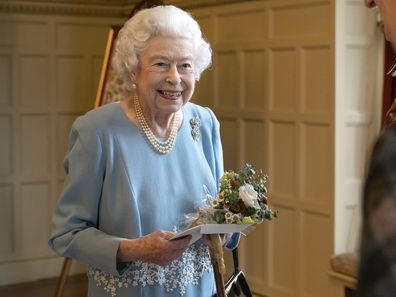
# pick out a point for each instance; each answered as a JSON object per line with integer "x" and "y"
{"x": 135, "y": 168}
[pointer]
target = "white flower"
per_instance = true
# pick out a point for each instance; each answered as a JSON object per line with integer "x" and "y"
{"x": 249, "y": 196}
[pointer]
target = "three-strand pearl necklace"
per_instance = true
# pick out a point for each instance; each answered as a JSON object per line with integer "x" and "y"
{"x": 162, "y": 147}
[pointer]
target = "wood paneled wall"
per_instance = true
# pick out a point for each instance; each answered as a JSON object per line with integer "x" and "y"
{"x": 49, "y": 70}
{"x": 275, "y": 87}
{"x": 272, "y": 86}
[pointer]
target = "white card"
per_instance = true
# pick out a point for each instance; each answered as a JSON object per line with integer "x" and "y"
{"x": 197, "y": 231}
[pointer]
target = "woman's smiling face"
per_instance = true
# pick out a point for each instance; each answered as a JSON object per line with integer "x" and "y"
{"x": 165, "y": 77}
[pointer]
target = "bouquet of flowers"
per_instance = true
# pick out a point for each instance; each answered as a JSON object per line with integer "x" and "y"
{"x": 241, "y": 200}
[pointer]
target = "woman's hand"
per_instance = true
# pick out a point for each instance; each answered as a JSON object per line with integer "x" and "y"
{"x": 155, "y": 248}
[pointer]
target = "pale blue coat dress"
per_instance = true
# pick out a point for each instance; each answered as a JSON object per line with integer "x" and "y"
{"x": 118, "y": 187}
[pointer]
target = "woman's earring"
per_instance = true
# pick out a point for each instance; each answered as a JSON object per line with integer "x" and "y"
{"x": 134, "y": 86}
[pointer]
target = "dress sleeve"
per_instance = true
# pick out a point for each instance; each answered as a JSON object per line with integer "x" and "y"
{"x": 219, "y": 169}
{"x": 75, "y": 220}
{"x": 217, "y": 163}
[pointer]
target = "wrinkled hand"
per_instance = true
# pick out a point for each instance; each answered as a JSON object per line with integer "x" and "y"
{"x": 224, "y": 239}
{"x": 155, "y": 248}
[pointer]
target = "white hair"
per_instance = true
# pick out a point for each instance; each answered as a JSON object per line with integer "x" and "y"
{"x": 158, "y": 21}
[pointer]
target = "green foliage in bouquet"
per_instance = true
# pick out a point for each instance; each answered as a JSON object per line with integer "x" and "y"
{"x": 242, "y": 198}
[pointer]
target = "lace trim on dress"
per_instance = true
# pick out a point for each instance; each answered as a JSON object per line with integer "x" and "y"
{"x": 188, "y": 269}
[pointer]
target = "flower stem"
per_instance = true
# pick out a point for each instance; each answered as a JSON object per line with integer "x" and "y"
{"x": 216, "y": 257}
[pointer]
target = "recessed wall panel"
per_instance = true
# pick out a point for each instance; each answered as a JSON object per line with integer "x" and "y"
{"x": 34, "y": 81}
{"x": 228, "y": 79}
{"x": 357, "y": 141}
{"x": 300, "y": 20}
{"x": 96, "y": 70}
{"x": 206, "y": 26}
{"x": 73, "y": 77}
{"x": 283, "y": 251}
{"x": 35, "y": 157}
{"x": 359, "y": 83}
{"x": 254, "y": 144}
{"x": 316, "y": 80}
{"x": 283, "y": 73}
{"x": 257, "y": 244}
{"x": 363, "y": 21}
{"x": 6, "y": 141}
{"x": 25, "y": 34}
{"x": 317, "y": 159}
{"x": 5, "y": 80}
{"x": 316, "y": 252}
{"x": 68, "y": 35}
{"x": 203, "y": 94}
{"x": 230, "y": 29}
{"x": 254, "y": 79}
{"x": 229, "y": 138}
{"x": 35, "y": 219}
{"x": 6, "y": 219}
{"x": 283, "y": 158}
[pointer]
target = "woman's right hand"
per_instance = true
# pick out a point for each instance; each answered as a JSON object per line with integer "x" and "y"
{"x": 155, "y": 248}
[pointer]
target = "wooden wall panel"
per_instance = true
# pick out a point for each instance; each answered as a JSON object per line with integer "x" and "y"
{"x": 240, "y": 26}
{"x": 316, "y": 246}
{"x": 49, "y": 71}
{"x": 6, "y": 147}
{"x": 35, "y": 161}
{"x": 252, "y": 73}
{"x": 5, "y": 79}
{"x": 282, "y": 155}
{"x": 315, "y": 168}
{"x": 26, "y": 33}
{"x": 316, "y": 85}
{"x": 34, "y": 74}
{"x": 299, "y": 18}
{"x": 73, "y": 73}
{"x": 230, "y": 135}
{"x": 254, "y": 133}
{"x": 7, "y": 217}
{"x": 273, "y": 79}
{"x": 35, "y": 221}
{"x": 283, "y": 82}
{"x": 227, "y": 79}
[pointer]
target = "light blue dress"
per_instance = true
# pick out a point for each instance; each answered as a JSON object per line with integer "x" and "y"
{"x": 118, "y": 187}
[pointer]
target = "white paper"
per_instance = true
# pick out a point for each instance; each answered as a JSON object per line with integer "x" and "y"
{"x": 197, "y": 231}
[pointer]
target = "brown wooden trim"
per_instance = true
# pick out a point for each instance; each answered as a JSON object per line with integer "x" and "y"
{"x": 112, "y": 35}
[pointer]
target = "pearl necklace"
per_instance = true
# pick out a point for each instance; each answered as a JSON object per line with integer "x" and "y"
{"x": 162, "y": 147}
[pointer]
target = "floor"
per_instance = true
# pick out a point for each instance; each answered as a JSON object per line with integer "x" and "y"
{"x": 76, "y": 286}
